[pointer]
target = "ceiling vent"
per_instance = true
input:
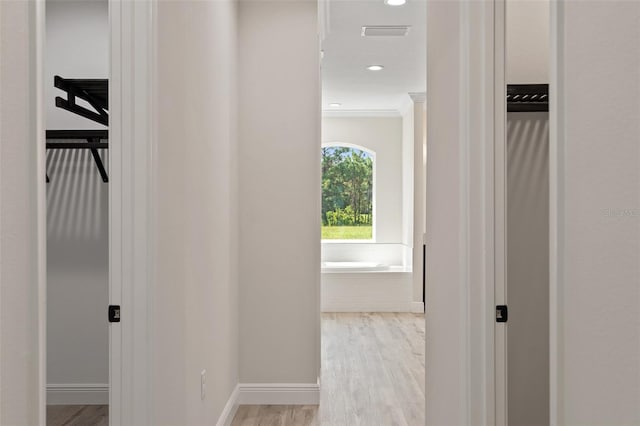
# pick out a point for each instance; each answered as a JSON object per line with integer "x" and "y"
{"x": 385, "y": 30}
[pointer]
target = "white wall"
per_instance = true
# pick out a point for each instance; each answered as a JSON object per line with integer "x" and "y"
{"x": 279, "y": 124}
{"x": 595, "y": 214}
{"x": 383, "y": 135}
{"x": 77, "y": 36}
{"x": 77, "y": 46}
{"x": 527, "y": 61}
{"x": 77, "y": 274}
{"x": 196, "y": 289}
{"x": 527, "y": 40}
{"x": 528, "y": 268}
{"x": 460, "y": 285}
{"x": 19, "y": 365}
{"x": 446, "y": 395}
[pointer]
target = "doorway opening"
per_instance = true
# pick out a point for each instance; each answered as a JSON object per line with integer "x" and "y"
{"x": 373, "y": 70}
{"x": 522, "y": 344}
{"x": 76, "y": 108}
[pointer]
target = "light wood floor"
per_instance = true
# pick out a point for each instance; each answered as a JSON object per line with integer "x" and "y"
{"x": 77, "y": 415}
{"x": 372, "y": 375}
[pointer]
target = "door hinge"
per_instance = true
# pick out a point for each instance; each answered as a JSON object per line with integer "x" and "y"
{"x": 502, "y": 313}
{"x": 114, "y": 313}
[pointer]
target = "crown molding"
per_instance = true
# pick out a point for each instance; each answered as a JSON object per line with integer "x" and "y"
{"x": 418, "y": 97}
{"x": 407, "y": 106}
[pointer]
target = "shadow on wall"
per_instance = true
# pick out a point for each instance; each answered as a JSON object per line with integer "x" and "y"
{"x": 77, "y": 199}
{"x": 528, "y": 153}
{"x": 77, "y": 271}
{"x": 528, "y": 267}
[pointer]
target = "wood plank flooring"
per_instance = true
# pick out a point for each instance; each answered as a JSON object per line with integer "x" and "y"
{"x": 77, "y": 415}
{"x": 372, "y": 375}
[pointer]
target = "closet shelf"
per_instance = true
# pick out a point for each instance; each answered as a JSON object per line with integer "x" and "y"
{"x": 93, "y": 91}
{"x": 527, "y": 98}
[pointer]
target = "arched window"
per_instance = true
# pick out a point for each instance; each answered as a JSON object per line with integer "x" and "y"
{"x": 348, "y": 192}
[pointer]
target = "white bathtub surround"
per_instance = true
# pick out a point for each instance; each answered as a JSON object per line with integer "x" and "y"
{"x": 367, "y": 277}
{"x": 342, "y": 267}
{"x": 380, "y": 291}
{"x": 388, "y": 254}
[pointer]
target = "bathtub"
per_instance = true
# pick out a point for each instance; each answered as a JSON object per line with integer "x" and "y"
{"x": 365, "y": 287}
{"x": 346, "y": 267}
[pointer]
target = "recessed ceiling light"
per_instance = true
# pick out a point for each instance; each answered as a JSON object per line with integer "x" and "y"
{"x": 395, "y": 2}
{"x": 375, "y": 67}
{"x": 335, "y": 105}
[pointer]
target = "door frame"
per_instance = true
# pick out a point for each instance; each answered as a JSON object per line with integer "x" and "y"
{"x": 41, "y": 203}
{"x": 465, "y": 76}
{"x": 500, "y": 209}
{"x": 131, "y": 192}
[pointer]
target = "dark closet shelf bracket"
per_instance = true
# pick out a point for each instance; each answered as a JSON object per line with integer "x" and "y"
{"x": 527, "y": 98}
{"x": 81, "y": 139}
{"x": 93, "y": 91}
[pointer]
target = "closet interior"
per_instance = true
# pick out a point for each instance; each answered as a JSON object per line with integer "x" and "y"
{"x": 77, "y": 191}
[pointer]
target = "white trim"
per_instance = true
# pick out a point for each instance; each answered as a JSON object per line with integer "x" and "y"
{"x": 417, "y": 307}
{"x": 41, "y": 205}
{"x": 419, "y": 191}
{"x": 131, "y": 83}
{"x": 460, "y": 318}
{"x": 418, "y": 97}
{"x": 230, "y": 408}
{"x": 78, "y": 394}
{"x": 406, "y": 106}
{"x": 557, "y": 218}
{"x": 279, "y": 394}
{"x": 500, "y": 210}
{"x": 324, "y": 19}
{"x": 365, "y": 113}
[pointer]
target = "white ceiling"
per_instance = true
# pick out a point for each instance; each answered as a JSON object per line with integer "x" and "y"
{"x": 345, "y": 78}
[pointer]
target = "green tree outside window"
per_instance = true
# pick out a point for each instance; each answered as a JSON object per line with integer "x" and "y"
{"x": 347, "y": 194}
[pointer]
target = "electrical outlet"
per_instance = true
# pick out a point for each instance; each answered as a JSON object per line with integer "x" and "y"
{"x": 203, "y": 384}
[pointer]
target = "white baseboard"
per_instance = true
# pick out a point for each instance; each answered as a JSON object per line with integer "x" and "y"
{"x": 417, "y": 307}
{"x": 229, "y": 411}
{"x": 279, "y": 394}
{"x": 78, "y": 394}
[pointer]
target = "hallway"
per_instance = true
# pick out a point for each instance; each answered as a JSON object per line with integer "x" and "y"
{"x": 372, "y": 374}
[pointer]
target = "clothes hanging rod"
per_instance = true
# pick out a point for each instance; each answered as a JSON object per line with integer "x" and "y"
{"x": 77, "y": 134}
{"x": 77, "y": 145}
{"x": 84, "y": 139}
